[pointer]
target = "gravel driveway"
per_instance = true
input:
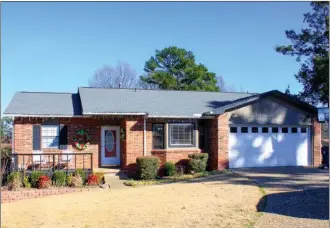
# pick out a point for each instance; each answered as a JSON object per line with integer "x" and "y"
{"x": 296, "y": 196}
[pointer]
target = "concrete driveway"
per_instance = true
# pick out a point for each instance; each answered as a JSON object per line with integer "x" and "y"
{"x": 295, "y": 196}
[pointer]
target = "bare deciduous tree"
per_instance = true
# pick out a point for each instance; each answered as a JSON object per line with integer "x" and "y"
{"x": 123, "y": 76}
{"x": 224, "y": 88}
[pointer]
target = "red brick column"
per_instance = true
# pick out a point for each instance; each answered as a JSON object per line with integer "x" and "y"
{"x": 317, "y": 156}
{"x": 223, "y": 137}
{"x": 134, "y": 140}
{"x": 218, "y": 139}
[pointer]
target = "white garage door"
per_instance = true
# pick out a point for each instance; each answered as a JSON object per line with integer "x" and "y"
{"x": 264, "y": 146}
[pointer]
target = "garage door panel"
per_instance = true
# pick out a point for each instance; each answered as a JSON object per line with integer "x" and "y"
{"x": 268, "y": 149}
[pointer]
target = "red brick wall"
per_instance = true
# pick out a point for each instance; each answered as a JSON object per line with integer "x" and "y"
{"x": 218, "y": 140}
{"x": 178, "y": 156}
{"x": 23, "y": 137}
{"x": 131, "y": 148}
{"x": 317, "y": 156}
{"x": 134, "y": 140}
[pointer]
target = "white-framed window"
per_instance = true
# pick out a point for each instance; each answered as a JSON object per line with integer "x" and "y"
{"x": 181, "y": 134}
{"x": 50, "y": 136}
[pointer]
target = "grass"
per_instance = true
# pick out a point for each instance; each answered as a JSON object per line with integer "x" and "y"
{"x": 221, "y": 202}
{"x": 175, "y": 178}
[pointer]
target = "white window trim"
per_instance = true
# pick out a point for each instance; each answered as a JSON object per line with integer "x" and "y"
{"x": 177, "y": 145}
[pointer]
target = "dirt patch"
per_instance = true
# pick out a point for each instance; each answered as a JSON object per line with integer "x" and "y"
{"x": 212, "y": 202}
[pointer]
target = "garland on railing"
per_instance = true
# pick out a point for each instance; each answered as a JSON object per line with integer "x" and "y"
{"x": 81, "y": 139}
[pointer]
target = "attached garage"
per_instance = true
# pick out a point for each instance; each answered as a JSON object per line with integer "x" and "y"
{"x": 268, "y": 146}
{"x": 266, "y": 130}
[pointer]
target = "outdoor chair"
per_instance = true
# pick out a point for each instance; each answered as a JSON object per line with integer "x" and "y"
{"x": 65, "y": 159}
{"x": 38, "y": 159}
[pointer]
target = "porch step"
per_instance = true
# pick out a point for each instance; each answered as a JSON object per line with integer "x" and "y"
{"x": 112, "y": 171}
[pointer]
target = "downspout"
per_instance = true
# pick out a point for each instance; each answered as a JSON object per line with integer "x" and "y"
{"x": 144, "y": 137}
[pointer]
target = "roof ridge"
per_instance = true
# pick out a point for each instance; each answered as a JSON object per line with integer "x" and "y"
{"x": 167, "y": 90}
{"x": 46, "y": 92}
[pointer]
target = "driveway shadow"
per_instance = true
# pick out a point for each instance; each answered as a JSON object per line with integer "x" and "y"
{"x": 310, "y": 203}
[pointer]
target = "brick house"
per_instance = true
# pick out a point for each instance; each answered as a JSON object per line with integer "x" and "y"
{"x": 235, "y": 129}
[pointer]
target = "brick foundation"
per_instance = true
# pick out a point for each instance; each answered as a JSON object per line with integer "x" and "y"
{"x": 11, "y": 196}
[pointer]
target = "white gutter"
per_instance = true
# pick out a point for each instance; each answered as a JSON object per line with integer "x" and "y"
{"x": 144, "y": 137}
{"x": 182, "y": 117}
{"x": 116, "y": 113}
{"x": 43, "y": 115}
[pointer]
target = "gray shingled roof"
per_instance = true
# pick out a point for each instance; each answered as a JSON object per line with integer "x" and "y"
{"x": 153, "y": 102}
{"x": 34, "y": 103}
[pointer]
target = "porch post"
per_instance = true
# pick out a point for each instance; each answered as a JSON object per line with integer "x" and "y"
{"x": 144, "y": 136}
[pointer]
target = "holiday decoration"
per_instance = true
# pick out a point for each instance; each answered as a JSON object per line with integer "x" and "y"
{"x": 122, "y": 134}
{"x": 81, "y": 139}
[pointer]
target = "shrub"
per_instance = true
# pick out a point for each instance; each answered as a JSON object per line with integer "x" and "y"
{"x": 92, "y": 180}
{"x": 14, "y": 181}
{"x": 59, "y": 178}
{"x": 35, "y": 178}
{"x": 147, "y": 167}
{"x": 44, "y": 182}
{"x": 198, "y": 162}
{"x": 74, "y": 180}
{"x": 180, "y": 169}
{"x": 169, "y": 169}
{"x": 69, "y": 179}
{"x": 26, "y": 182}
{"x": 81, "y": 173}
{"x": 100, "y": 177}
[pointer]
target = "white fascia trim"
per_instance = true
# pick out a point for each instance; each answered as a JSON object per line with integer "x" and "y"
{"x": 116, "y": 113}
{"x": 30, "y": 115}
{"x": 183, "y": 117}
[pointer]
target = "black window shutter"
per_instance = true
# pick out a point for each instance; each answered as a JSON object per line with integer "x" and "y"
{"x": 36, "y": 137}
{"x": 63, "y": 136}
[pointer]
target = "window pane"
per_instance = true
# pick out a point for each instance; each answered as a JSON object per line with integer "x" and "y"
{"x": 303, "y": 130}
{"x": 284, "y": 130}
{"x": 181, "y": 134}
{"x": 158, "y": 136}
{"x": 294, "y": 130}
{"x": 244, "y": 130}
{"x": 274, "y": 129}
{"x": 254, "y": 130}
{"x": 50, "y": 136}
{"x": 265, "y": 130}
{"x": 233, "y": 129}
{"x": 50, "y": 142}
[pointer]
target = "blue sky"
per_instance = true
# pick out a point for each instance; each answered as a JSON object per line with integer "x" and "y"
{"x": 58, "y": 46}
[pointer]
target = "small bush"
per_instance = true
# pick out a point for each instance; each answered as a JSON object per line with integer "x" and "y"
{"x": 92, "y": 180}
{"x": 14, "y": 181}
{"x": 81, "y": 173}
{"x": 100, "y": 177}
{"x": 35, "y": 178}
{"x": 74, "y": 180}
{"x": 69, "y": 179}
{"x": 198, "y": 162}
{"x": 147, "y": 167}
{"x": 59, "y": 178}
{"x": 26, "y": 182}
{"x": 44, "y": 182}
{"x": 169, "y": 169}
{"x": 180, "y": 169}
